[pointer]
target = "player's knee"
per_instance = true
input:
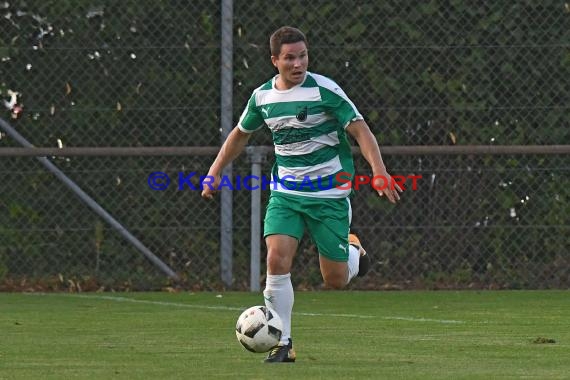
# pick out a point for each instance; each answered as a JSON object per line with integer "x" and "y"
{"x": 334, "y": 282}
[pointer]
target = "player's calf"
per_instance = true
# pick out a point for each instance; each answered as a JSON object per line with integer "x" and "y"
{"x": 364, "y": 263}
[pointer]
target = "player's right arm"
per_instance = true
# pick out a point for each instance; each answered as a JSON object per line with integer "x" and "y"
{"x": 249, "y": 121}
{"x": 232, "y": 147}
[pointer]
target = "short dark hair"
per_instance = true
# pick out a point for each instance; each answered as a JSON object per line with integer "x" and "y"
{"x": 285, "y": 35}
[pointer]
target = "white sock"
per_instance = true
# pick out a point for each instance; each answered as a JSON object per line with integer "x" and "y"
{"x": 353, "y": 262}
{"x": 279, "y": 296}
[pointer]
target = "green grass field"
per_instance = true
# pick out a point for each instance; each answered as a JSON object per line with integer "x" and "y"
{"x": 338, "y": 335}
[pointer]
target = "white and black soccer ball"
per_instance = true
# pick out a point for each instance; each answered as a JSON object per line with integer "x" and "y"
{"x": 259, "y": 329}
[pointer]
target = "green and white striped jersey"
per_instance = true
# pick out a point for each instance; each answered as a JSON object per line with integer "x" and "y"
{"x": 308, "y": 125}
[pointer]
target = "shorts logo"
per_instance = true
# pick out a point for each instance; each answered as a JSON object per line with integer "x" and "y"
{"x": 302, "y": 114}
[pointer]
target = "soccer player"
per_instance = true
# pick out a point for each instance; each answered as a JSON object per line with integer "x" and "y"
{"x": 309, "y": 116}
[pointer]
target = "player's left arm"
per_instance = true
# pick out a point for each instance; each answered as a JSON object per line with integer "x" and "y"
{"x": 371, "y": 152}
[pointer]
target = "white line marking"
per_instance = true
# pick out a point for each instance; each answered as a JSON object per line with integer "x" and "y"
{"x": 411, "y": 319}
{"x": 207, "y": 307}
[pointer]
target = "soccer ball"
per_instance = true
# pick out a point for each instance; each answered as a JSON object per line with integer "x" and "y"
{"x": 259, "y": 329}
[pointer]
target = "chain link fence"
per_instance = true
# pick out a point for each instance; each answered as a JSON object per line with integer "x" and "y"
{"x": 139, "y": 74}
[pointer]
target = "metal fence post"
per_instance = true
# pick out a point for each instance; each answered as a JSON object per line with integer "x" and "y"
{"x": 226, "y": 95}
{"x": 91, "y": 202}
{"x": 257, "y": 158}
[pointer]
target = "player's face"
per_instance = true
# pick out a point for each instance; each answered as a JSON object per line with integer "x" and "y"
{"x": 292, "y": 64}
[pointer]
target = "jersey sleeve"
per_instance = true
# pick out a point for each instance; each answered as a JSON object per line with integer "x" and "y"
{"x": 337, "y": 102}
{"x": 251, "y": 118}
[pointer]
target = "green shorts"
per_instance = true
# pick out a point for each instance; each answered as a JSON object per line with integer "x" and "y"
{"x": 327, "y": 221}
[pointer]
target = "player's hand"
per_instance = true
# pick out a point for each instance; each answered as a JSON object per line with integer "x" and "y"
{"x": 210, "y": 185}
{"x": 390, "y": 190}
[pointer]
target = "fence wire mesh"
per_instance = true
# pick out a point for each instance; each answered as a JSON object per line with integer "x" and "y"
{"x": 147, "y": 73}
{"x": 470, "y": 222}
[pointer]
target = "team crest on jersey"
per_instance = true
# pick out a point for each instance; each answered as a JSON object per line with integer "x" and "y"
{"x": 302, "y": 113}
